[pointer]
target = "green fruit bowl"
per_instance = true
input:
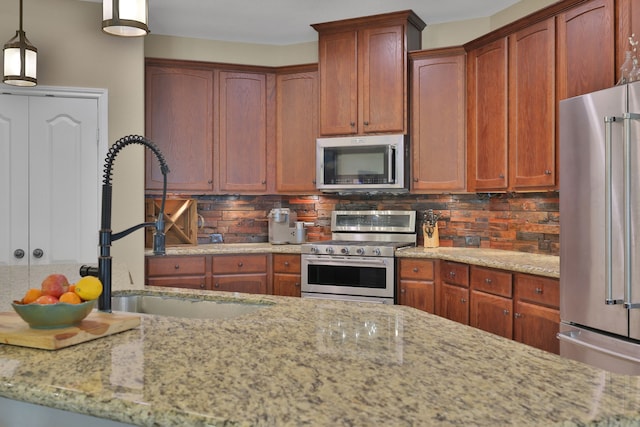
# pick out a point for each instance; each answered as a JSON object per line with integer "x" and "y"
{"x": 53, "y": 316}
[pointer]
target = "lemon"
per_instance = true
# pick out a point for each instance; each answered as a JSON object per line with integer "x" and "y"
{"x": 88, "y": 288}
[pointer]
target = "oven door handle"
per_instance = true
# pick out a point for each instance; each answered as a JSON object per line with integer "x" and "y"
{"x": 346, "y": 261}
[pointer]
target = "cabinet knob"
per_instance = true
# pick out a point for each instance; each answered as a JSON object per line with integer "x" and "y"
{"x": 415, "y": 179}
{"x": 505, "y": 312}
{"x": 501, "y": 176}
{"x": 240, "y": 264}
{"x": 264, "y": 182}
{"x": 452, "y": 274}
{"x": 201, "y": 285}
{"x": 547, "y": 172}
{"x": 286, "y": 263}
{"x": 38, "y": 253}
{"x": 487, "y": 281}
{"x": 217, "y": 285}
{"x": 210, "y": 181}
{"x": 463, "y": 300}
{"x": 415, "y": 269}
{"x": 402, "y": 291}
{"x": 177, "y": 266}
{"x": 352, "y": 124}
{"x": 366, "y": 123}
{"x": 517, "y": 315}
{"x": 538, "y": 291}
{"x": 18, "y": 253}
{"x": 297, "y": 284}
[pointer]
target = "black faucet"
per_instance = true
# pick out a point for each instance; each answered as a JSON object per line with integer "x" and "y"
{"x": 103, "y": 271}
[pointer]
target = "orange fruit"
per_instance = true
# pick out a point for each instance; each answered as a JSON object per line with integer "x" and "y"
{"x": 70, "y": 298}
{"x": 31, "y": 295}
{"x": 71, "y": 288}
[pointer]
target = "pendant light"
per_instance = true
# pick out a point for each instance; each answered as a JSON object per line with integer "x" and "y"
{"x": 127, "y": 18}
{"x": 20, "y": 59}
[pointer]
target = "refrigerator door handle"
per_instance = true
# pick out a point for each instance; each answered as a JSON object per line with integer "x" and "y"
{"x": 608, "y": 231}
{"x": 573, "y": 337}
{"x": 628, "y": 280}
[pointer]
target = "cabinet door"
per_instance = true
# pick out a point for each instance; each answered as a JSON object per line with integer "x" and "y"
{"x": 179, "y": 120}
{"x": 487, "y": 117}
{"x": 296, "y": 132}
{"x": 286, "y": 284}
{"x": 532, "y": 146}
{"x": 338, "y": 64}
{"x": 419, "y": 294}
{"x": 454, "y": 303}
{"x": 491, "y": 313}
{"x": 247, "y": 283}
{"x": 383, "y": 83}
{"x": 586, "y": 49}
{"x": 438, "y": 123}
{"x": 243, "y": 132}
{"x": 537, "y": 326}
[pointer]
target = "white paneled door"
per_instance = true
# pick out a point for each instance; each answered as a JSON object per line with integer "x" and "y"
{"x": 49, "y": 178}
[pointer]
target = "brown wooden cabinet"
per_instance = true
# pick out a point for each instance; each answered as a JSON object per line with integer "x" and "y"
{"x": 296, "y": 130}
{"x": 363, "y": 73}
{"x": 188, "y": 271}
{"x": 491, "y": 305}
{"x": 416, "y": 286}
{"x": 179, "y": 120}
{"x": 438, "y": 125}
{"x": 586, "y": 39}
{"x": 243, "y": 131}
{"x": 537, "y": 316}
{"x": 241, "y": 273}
{"x": 286, "y": 275}
{"x": 487, "y": 115}
{"x": 532, "y": 113}
{"x": 454, "y": 291}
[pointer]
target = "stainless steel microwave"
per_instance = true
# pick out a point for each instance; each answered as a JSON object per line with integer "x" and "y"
{"x": 362, "y": 163}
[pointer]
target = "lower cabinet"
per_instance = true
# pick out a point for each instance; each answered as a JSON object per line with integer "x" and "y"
{"x": 177, "y": 271}
{"x": 454, "y": 291}
{"x": 286, "y": 275}
{"x": 416, "y": 286}
{"x": 536, "y": 320}
{"x": 491, "y": 306}
{"x": 240, "y": 273}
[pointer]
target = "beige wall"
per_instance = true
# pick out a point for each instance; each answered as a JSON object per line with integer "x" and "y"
{"x": 74, "y": 52}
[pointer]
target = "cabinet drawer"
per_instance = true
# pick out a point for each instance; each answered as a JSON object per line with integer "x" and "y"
{"x": 238, "y": 264}
{"x": 247, "y": 283}
{"x": 286, "y": 264}
{"x": 416, "y": 269}
{"x": 176, "y": 265}
{"x": 454, "y": 273}
{"x": 190, "y": 282}
{"x": 537, "y": 289}
{"x": 492, "y": 281}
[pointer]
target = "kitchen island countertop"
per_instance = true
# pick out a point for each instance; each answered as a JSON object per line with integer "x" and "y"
{"x": 318, "y": 363}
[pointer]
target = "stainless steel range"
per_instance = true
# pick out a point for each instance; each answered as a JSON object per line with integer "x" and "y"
{"x": 359, "y": 263}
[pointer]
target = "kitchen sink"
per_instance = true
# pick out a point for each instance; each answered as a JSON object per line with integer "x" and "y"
{"x": 183, "y": 307}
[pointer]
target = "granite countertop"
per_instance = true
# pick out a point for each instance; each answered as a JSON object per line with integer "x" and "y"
{"x": 318, "y": 363}
{"x": 542, "y": 265}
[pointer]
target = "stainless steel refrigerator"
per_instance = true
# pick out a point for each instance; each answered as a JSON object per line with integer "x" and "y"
{"x": 599, "y": 227}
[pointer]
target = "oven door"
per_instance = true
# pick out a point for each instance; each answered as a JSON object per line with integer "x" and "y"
{"x": 348, "y": 276}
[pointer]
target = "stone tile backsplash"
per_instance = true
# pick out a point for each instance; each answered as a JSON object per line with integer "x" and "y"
{"x": 526, "y": 222}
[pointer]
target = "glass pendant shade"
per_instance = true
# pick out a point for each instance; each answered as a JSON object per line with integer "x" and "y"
{"x": 20, "y": 59}
{"x": 126, "y": 18}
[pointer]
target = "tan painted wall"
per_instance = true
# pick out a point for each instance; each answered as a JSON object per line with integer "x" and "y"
{"x": 74, "y": 52}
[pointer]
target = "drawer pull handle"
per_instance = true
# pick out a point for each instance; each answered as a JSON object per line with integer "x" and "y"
{"x": 487, "y": 281}
{"x": 538, "y": 291}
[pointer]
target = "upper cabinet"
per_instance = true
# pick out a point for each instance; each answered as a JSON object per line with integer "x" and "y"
{"x": 179, "y": 120}
{"x": 296, "y": 129}
{"x": 363, "y": 73}
{"x": 628, "y": 18}
{"x": 586, "y": 40}
{"x": 438, "y": 120}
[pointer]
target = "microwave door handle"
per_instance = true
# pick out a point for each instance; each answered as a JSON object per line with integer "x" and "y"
{"x": 390, "y": 160}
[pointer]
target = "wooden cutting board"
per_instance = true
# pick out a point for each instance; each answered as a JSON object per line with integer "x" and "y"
{"x": 15, "y": 331}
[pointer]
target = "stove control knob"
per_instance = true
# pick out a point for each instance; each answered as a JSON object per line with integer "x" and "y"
{"x": 329, "y": 250}
{"x": 314, "y": 250}
{"x": 376, "y": 251}
{"x": 344, "y": 251}
{"x": 360, "y": 251}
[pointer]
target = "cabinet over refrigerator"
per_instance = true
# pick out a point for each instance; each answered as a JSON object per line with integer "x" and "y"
{"x": 599, "y": 226}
